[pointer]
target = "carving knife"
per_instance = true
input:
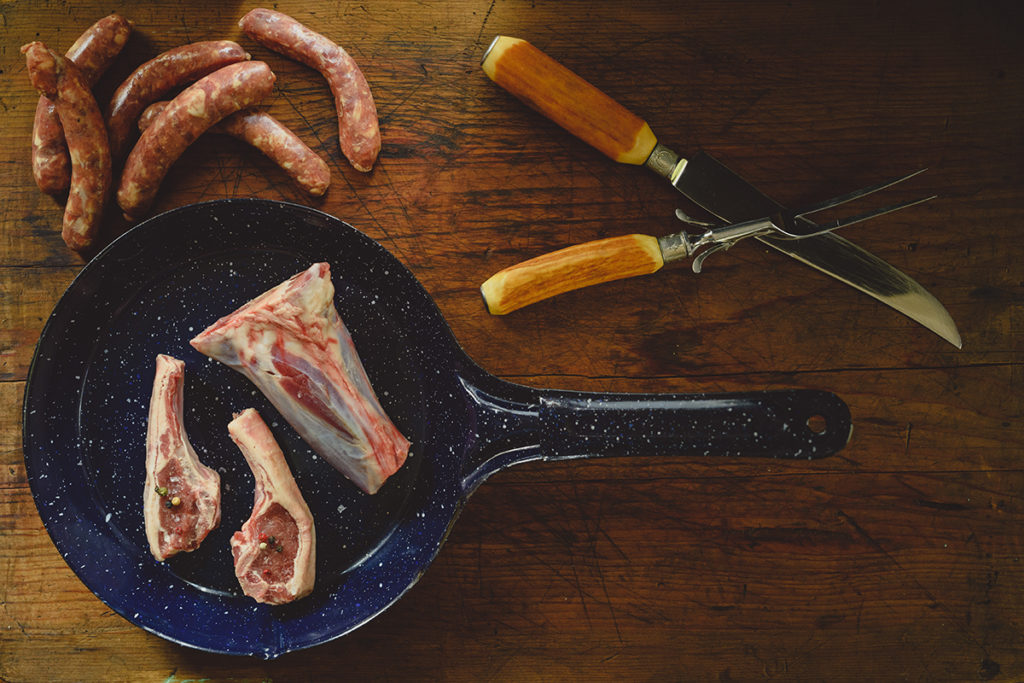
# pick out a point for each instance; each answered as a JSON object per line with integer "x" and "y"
{"x": 589, "y": 114}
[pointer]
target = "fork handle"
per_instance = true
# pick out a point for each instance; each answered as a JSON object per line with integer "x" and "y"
{"x": 575, "y": 267}
{"x": 568, "y": 100}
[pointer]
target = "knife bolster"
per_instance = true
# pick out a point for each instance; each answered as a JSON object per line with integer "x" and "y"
{"x": 662, "y": 161}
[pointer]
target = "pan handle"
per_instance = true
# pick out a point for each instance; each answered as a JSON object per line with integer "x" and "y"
{"x": 796, "y": 424}
{"x": 556, "y": 425}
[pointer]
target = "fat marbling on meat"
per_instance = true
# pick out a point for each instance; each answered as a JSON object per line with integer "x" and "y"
{"x": 292, "y": 344}
{"x": 181, "y": 503}
{"x": 275, "y": 552}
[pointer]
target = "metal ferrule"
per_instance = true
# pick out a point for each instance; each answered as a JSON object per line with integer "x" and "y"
{"x": 664, "y": 161}
{"x": 682, "y": 245}
{"x": 675, "y": 247}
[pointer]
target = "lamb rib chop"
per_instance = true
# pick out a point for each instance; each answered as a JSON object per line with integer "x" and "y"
{"x": 181, "y": 503}
{"x": 291, "y": 343}
{"x": 275, "y": 552}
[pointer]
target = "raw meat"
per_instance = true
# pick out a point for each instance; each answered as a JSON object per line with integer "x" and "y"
{"x": 181, "y": 503}
{"x": 275, "y": 552}
{"x": 291, "y": 343}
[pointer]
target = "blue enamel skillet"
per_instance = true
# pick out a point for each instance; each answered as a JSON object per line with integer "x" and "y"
{"x": 162, "y": 282}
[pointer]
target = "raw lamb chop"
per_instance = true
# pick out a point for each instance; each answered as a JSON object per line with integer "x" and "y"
{"x": 291, "y": 343}
{"x": 275, "y": 552}
{"x": 181, "y": 503}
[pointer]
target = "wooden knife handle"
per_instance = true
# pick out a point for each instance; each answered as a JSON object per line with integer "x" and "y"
{"x": 568, "y": 100}
{"x": 574, "y": 267}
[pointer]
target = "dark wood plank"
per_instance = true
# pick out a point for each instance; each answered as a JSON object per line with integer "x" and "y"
{"x": 900, "y": 558}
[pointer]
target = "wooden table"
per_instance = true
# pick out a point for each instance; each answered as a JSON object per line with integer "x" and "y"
{"x": 899, "y": 558}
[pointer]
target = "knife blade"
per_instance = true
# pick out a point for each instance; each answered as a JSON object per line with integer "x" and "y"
{"x": 589, "y": 114}
{"x": 721, "y": 192}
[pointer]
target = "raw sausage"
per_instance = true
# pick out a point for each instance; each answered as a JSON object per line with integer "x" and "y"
{"x": 160, "y": 75}
{"x": 273, "y": 138}
{"x": 60, "y": 80}
{"x": 358, "y": 131}
{"x": 284, "y": 147}
{"x": 198, "y": 107}
{"x": 92, "y": 53}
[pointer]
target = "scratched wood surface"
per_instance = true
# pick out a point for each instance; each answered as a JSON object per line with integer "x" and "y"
{"x": 898, "y": 559}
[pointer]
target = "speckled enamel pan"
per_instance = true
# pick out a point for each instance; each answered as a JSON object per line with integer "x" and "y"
{"x": 168, "y": 278}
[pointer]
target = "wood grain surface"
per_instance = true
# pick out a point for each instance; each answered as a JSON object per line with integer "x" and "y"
{"x": 898, "y": 559}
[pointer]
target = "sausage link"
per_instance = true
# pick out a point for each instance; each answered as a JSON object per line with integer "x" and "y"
{"x": 60, "y": 80}
{"x": 160, "y": 75}
{"x": 191, "y": 113}
{"x": 358, "y": 130}
{"x": 51, "y": 164}
{"x": 149, "y": 114}
{"x": 95, "y": 49}
{"x": 273, "y": 138}
{"x": 92, "y": 53}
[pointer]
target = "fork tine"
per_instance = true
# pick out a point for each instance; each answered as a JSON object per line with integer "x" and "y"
{"x": 819, "y": 229}
{"x": 857, "y": 194}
